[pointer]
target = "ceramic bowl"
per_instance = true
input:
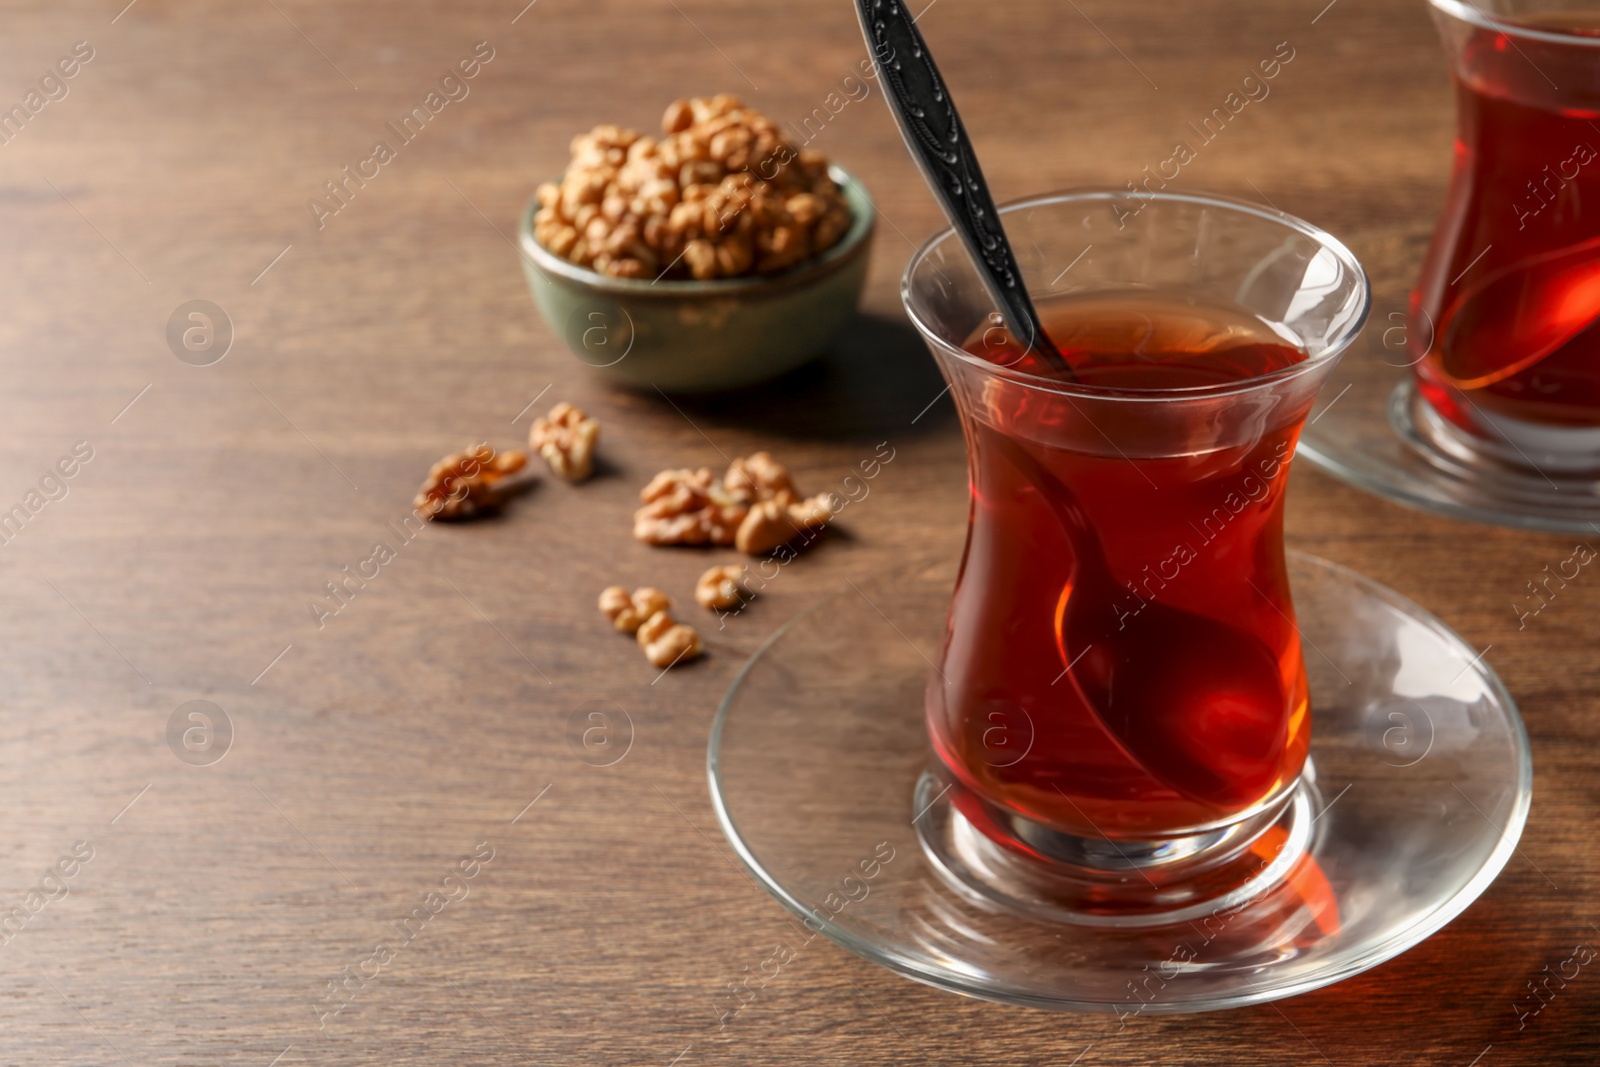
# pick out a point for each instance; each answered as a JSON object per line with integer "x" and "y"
{"x": 702, "y": 336}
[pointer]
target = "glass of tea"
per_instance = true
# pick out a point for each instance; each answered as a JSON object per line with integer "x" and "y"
{"x": 1119, "y": 712}
{"x": 1505, "y": 319}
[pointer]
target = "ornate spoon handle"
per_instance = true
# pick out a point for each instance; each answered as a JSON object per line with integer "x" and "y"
{"x": 938, "y": 142}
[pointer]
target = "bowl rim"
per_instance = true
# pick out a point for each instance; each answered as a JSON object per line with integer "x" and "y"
{"x": 862, "y": 222}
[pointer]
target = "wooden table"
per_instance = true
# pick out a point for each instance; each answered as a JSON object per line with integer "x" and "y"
{"x": 372, "y": 753}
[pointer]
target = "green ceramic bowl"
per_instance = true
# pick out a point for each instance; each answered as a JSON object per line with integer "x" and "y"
{"x": 694, "y": 336}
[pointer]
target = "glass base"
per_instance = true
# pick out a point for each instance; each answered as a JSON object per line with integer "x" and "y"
{"x": 1504, "y": 468}
{"x": 818, "y": 765}
{"x": 1373, "y": 431}
{"x": 1098, "y": 882}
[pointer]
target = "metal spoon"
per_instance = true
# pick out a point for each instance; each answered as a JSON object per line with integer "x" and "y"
{"x": 939, "y": 144}
{"x": 1195, "y": 701}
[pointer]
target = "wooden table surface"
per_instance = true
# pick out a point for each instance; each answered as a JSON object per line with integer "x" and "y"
{"x": 370, "y": 754}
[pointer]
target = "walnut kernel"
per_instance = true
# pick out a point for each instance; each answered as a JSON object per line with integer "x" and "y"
{"x": 720, "y": 588}
{"x": 566, "y": 438}
{"x": 686, "y": 507}
{"x": 626, "y": 611}
{"x": 778, "y": 521}
{"x": 648, "y": 601}
{"x": 614, "y": 602}
{"x": 758, "y": 475}
{"x": 721, "y": 194}
{"x": 754, "y": 507}
{"x": 469, "y": 482}
{"x": 667, "y": 643}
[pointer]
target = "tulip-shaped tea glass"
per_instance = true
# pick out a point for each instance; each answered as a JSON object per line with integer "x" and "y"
{"x": 1506, "y": 315}
{"x": 1122, "y": 686}
{"x": 1171, "y": 767}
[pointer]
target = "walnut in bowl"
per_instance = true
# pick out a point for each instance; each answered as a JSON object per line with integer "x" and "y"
{"x": 713, "y": 257}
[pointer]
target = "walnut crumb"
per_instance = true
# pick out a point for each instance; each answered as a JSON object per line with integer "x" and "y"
{"x": 778, "y": 521}
{"x": 759, "y": 476}
{"x": 468, "y": 483}
{"x": 667, "y": 643}
{"x": 566, "y": 438}
{"x": 627, "y": 611}
{"x": 722, "y": 193}
{"x": 686, "y": 507}
{"x": 720, "y": 588}
{"x": 754, "y": 507}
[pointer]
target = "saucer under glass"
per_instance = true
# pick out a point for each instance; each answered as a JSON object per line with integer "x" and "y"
{"x": 1414, "y": 797}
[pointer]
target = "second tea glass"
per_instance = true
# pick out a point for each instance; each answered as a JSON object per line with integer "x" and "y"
{"x": 1479, "y": 398}
{"x": 1505, "y": 319}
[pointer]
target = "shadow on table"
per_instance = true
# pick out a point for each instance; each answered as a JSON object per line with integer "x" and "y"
{"x": 877, "y": 381}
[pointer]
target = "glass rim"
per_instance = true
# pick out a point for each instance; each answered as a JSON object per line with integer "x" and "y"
{"x": 1334, "y": 348}
{"x": 1470, "y": 13}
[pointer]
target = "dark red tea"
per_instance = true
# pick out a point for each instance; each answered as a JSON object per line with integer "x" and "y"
{"x": 1506, "y": 317}
{"x": 1121, "y": 658}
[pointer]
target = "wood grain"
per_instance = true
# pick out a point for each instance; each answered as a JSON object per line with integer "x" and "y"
{"x": 373, "y": 753}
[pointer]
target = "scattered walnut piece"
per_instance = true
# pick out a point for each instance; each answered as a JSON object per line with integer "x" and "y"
{"x": 566, "y": 438}
{"x": 689, "y": 507}
{"x": 722, "y": 193}
{"x": 667, "y": 643}
{"x": 468, "y": 483}
{"x": 649, "y": 601}
{"x": 720, "y": 588}
{"x": 758, "y": 475}
{"x": 780, "y": 520}
{"x": 614, "y": 601}
{"x": 644, "y": 613}
{"x": 686, "y": 507}
{"x": 626, "y": 611}
{"x": 811, "y": 513}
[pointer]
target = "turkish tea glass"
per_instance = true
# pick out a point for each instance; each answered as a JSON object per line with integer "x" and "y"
{"x": 1505, "y": 319}
{"x": 1121, "y": 687}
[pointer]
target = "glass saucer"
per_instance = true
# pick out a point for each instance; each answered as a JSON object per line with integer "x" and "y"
{"x": 1371, "y": 431}
{"x": 1421, "y": 784}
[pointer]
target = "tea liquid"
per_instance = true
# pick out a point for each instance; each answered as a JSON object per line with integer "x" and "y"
{"x": 1121, "y": 658}
{"x": 1506, "y": 318}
